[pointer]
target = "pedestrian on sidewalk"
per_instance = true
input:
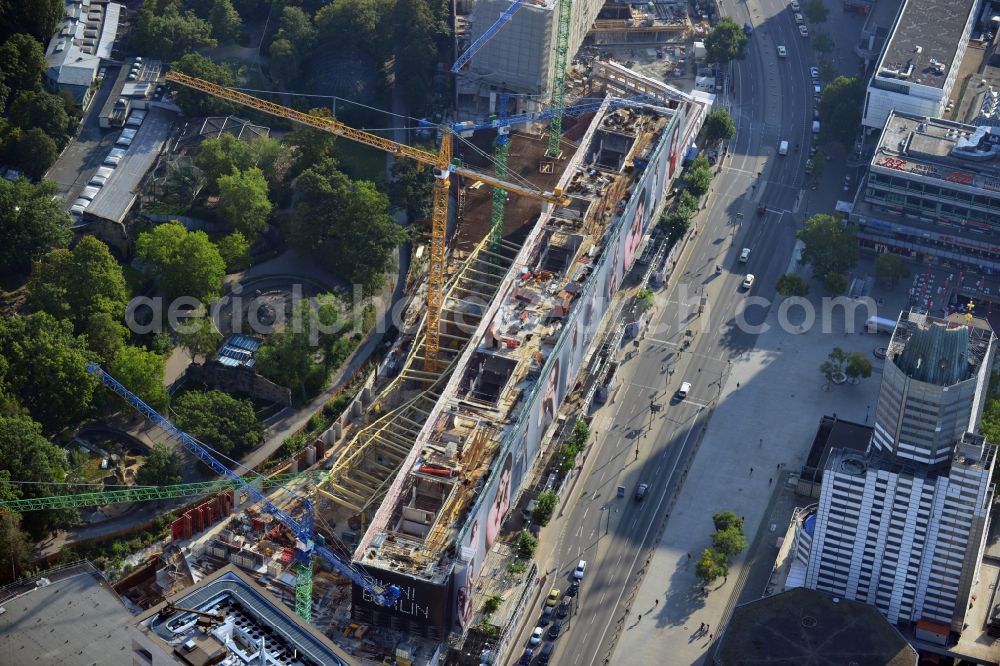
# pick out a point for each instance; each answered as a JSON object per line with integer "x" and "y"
{"x": 770, "y": 480}
{"x": 751, "y": 471}
{"x": 710, "y": 636}
{"x": 657, "y": 602}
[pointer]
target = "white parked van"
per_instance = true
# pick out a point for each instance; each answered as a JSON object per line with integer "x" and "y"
{"x": 783, "y": 148}
{"x": 880, "y": 325}
{"x": 815, "y": 127}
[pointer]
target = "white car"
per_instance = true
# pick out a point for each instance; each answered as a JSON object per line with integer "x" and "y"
{"x": 799, "y": 18}
{"x": 89, "y": 192}
{"x": 782, "y": 52}
{"x": 536, "y": 636}
{"x": 580, "y": 568}
{"x": 814, "y": 73}
{"x": 804, "y": 31}
{"x": 683, "y": 391}
{"x": 745, "y": 255}
{"x": 748, "y": 281}
{"x": 794, "y": 6}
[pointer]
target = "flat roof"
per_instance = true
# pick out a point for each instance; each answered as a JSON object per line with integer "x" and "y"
{"x": 248, "y": 615}
{"x": 924, "y": 41}
{"x": 115, "y": 199}
{"x": 934, "y": 148}
{"x": 73, "y": 619}
{"x": 942, "y": 352}
{"x": 802, "y": 626}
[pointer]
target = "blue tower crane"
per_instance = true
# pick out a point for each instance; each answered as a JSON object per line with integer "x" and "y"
{"x": 507, "y": 15}
{"x": 305, "y": 540}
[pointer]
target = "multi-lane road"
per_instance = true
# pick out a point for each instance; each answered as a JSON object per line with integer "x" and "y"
{"x": 643, "y": 436}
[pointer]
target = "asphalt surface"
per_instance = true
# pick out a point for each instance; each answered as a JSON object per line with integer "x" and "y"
{"x": 645, "y": 434}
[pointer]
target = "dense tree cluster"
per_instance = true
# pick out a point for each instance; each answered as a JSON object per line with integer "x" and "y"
{"x": 840, "y": 109}
{"x": 830, "y": 245}
{"x": 725, "y": 43}
{"x": 166, "y": 30}
{"x": 185, "y": 263}
{"x": 227, "y": 424}
{"x": 31, "y": 223}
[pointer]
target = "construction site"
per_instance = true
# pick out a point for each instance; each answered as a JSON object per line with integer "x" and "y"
{"x": 389, "y": 533}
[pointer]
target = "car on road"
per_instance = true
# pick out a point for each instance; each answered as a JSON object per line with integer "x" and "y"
{"x": 573, "y": 588}
{"x": 748, "y": 281}
{"x": 553, "y": 597}
{"x": 794, "y": 6}
{"x": 555, "y": 629}
{"x": 799, "y": 19}
{"x": 804, "y": 31}
{"x": 529, "y": 653}
{"x": 782, "y": 51}
{"x": 814, "y": 73}
{"x": 546, "y": 617}
{"x": 563, "y": 611}
{"x": 580, "y": 568}
{"x": 879, "y": 352}
{"x": 640, "y": 492}
{"x": 683, "y": 391}
{"x": 536, "y": 636}
{"x": 546, "y": 653}
{"x": 745, "y": 255}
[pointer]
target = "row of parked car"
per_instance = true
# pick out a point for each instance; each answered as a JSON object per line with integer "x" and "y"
{"x": 105, "y": 171}
{"x": 556, "y": 610}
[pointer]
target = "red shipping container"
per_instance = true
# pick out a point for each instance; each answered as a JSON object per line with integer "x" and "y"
{"x": 220, "y": 506}
{"x": 188, "y": 532}
{"x": 196, "y": 521}
{"x": 208, "y": 509}
{"x": 177, "y": 530}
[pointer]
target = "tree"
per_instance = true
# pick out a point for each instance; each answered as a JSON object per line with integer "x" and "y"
{"x": 833, "y": 366}
{"x": 195, "y": 103}
{"x": 719, "y": 126}
{"x": 858, "y": 366}
{"x": 15, "y": 547}
{"x": 698, "y": 180}
{"x": 289, "y": 358}
{"x": 311, "y": 147}
{"x": 353, "y": 24}
{"x": 26, "y": 455}
{"x": 243, "y": 201}
{"x": 105, "y": 336}
{"x": 345, "y": 226}
{"x": 677, "y": 223}
{"x": 545, "y": 506}
{"x": 162, "y": 467}
{"x": 526, "y": 544}
{"x": 200, "y": 336}
{"x": 185, "y": 263}
{"x": 225, "y": 20}
{"x": 165, "y": 32}
{"x": 411, "y": 189}
{"x": 225, "y": 423}
{"x": 36, "y": 152}
{"x": 297, "y": 27}
{"x": 78, "y": 284}
{"x": 47, "y": 112}
{"x": 141, "y": 372}
{"x": 38, "y": 18}
{"x": 725, "y": 43}
{"x": 840, "y": 108}
{"x": 891, "y": 268}
{"x": 827, "y": 71}
{"x": 22, "y": 61}
{"x": 989, "y": 424}
{"x": 818, "y": 162}
{"x": 816, "y": 11}
{"x": 823, "y": 43}
{"x": 724, "y": 520}
{"x": 31, "y": 223}
{"x": 711, "y": 565}
{"x": 835, "y": 283}
{"x": 644, "y": 300}
{"x": 729, "y": 542}
{"x": 285, "y": 61}
{"x": 414, "y": 31}
{"x": 221, "y": 156}
{"x": 47, "y": 368}
{"x": 791, "y": 284}
{"x": 234, "y": 249}
{"x": 830, "y": 244}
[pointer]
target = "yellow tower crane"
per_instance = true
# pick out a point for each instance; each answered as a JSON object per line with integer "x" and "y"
{"x": 442, "y": 167}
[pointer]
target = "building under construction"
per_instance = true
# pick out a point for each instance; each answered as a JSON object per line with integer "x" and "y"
{"x": 451, "y": 453}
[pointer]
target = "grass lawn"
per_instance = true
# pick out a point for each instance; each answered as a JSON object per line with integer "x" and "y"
{"x": 360, "y": 162}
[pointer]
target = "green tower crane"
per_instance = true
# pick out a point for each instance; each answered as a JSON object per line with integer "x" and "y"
{"x": 559, "y": 78}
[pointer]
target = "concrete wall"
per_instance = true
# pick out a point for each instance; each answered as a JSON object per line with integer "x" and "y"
{"x": 240, "y": 379}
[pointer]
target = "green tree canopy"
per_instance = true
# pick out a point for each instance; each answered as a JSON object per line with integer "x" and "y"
{"x": 234, "y": 249}
{"x": 725, "y": 43}
{"x": 830, "y": 244}
{"x": 15, "y": 546}
{"x": 835, "y": 283}
{"x": 989, "y": 425}
{"x": 221, "y": 156}
{"x": 791, "y": 284}
{"x": 31, "y": 223}
{"x": 225, "y": 21}
{"x": 289, "y": 358}
{"x": 162, "y": 467}
{"x": 698, "y": 180}
{"x": 411, "y": 189}
{"x": 310, "y": 146}
{"x": 243, "y": 201}
{"x": 815, "y": 11}
{"x": 223, "y": 422}
{"x": 47, "y": 368}
{"x": 711, "y": 565}
{"x": 719, "y": 126}
{"x": 354, "y": 24}
{"x": 79, "y": 283}
{"x": 164, "y": 31}
{"x": 286, "y": 64}
{"x": 26, "y": 455}
{"x": 858, "y": 366}
{"x": 200, "y": 336}
{"x": 185, "y": 263}
{"x": 195, "y": 103}
{"x": 47, "y": 112}
{"x": 545, "y": 506}
{"x": 840, "y": 107}
{"x": 345, "y": 226}
{"x": 526, "y": 544}
{"x": 891, "y": 268}
{"x": 141, "y": 372}
{"x": 730, "y": 542}
{"x": 297, "y": 27}
{"x": 105, "y": 335}
{"x": 37, "y": 18}
{"x": 22, "y": 61}
{"x": 724, "y": 520}
{"x": 36, "y": 152}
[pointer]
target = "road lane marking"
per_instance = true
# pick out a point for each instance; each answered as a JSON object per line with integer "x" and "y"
{"x": 585, "y": 511}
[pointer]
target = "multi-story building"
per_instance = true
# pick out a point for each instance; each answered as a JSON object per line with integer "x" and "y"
{"x": 932, "y": 192}
{"x": 920, "y": 63}
{"x": 902, "y": 525}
